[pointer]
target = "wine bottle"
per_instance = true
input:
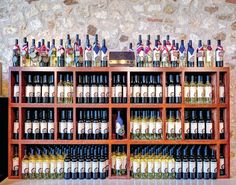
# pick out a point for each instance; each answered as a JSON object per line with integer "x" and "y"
{"x": 136, "y": 90}
{"x": 88, "y": 165}
{"x": 170, "y": 125}
{"x": 43, "y": 126}
{"x": 192, "y": 164}
{"x": 51, "y": 92}
{"x": 106, "y": 89}
{"x": 80, "y": 126}
{"x": 158, "y": 89}
{"x": 81, "y": 163}
{"x": 186, "y": 90}
{"x": 192, "y": 90}
{"x": 29, "y": 90}
{"x": 61, "y": 55}
{"x": 151, "y": 125}
{"x": 200, "y": 54}
{"x": 186, "y": 125}
{"x": 159, "y": 125}
{"x": 50, "y": 126}
{"x": 78, "y": 52}
{"x": 200, "y": 90}
{"x": 190, "y": 55}
{"x": 53, "y": 54}
{"x": 94, "y": 89}
{"x": 185, "y": 164}
{"x": 199, "y": 163}
{"x": 63, "y": 125}
{"x": 170, "y": 89}
{"x": 87, "y": 53}
{"x": 156, "y": 55}
{"x": 168, "y": 44}
{"x": 222, "y": 125}
{"x": 60, "y": 90}
{"x": 37, "y": 89}
{"x": 209, "y": 55}
{"x": 178, "y": 89}
{"x": 104, "y": 52}
{"x": 15, "y": 134}
{"x": 193, "y": 125}
{"x": 86, "y": 89}
{"x": 69, "y": 124}
{"x": 79, "y": 89}
{"x": 46, "y": 164}
{"x": 44, "y": 55}
{"x": 53, "y": 164}
{"x": 178, "y": 126}
{"x": 95, "y": 164}
{"x": 16, "y": 90}
{"x": 67, "y": 165}
{"x": 164, "y": 164}
{"x": 104, "y": 125}
{"x": 118, "y": 90}
{"x": 69, "y": 57}
{"x": 213, "y": 165}
{"x": 140, "y": 53}
{"x": 15, "y": 162}
{"x": 144, "y": 125}
{"x": 164, "y": 55}
{"x": 60, "y": 164}
{"x": 96, "y": 59}
{"x": 209, "y": 125}
{"x": 39, "y": 165}
{"x": 102, "y": 165}
{"x": 148, "y": 53}
{"x": 74, "y": 164}
{"x": 222, "y": 162}
{"x": 25, "y": 165}
{"x": 88, "y": 125}
{"x": 182, "y": 55}
{"x": 28, "y": 126}
{"x": 151, "y": 91}
{"x": 16, "y": 54}
{"x": 120, "y": 128}
{"x": 25, "y": 59}
{"x": 171, "y": 163}
{"x": 96, "y": 126}
{"x": 178, "y": 164}
{"x": 124, "y": 89}
{"x": 222, "y": 89}
{"x": 34, "y": 55}
{"x": 201, "y": 126}
{"x": 45, "y": 89}
{"x": 144, "y": 89}
{"x": 173, "y": 55}
{"x": 219, "y": 55}
{"x": 68, "y": 89}
{"x": 206, "y": 164}
{"x": 208, "y": 90}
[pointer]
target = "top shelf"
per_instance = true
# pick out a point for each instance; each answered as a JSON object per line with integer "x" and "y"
{"x": 122, "y": 69}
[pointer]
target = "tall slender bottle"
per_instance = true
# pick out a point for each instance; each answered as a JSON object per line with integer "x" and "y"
{"x": 45, "y": 89}
{"x": 96, "y": 126}
{"x": 101, "y": 89}
{"x": 51, "y": 91}
{"x": 37, "y": 89}
{"x": 69, "y": 57}
{"x": 152, "y": 125}
{"x": 182, "y": 55}
{"x": 178, "y": 164}
{"x": 144, "y": 125}
{"x": 53, "y": 54}
{"x": 151, "y": 90}
{"x": 67, "y": 165}
{"x": 170, "y": 89}
{"x": 209, "y": 125}
{"x": 200, "y": 90}
{"x": 39, "y": 164}
{"x": 34, "y": 55}
{"x": 140, "y": 53}
{"x": 32, "y": 164}
{"x": 190, "y": 56}
{"x": 61, "y": 55}
{"x": 29, "y": 90}
{"x": 106, "y": 89}
{"x": 88, "y": 165}
{"x": 178, "y": 89}
{"x": 104, "y": 125}
{"x": 206, "y": 164}
{"x": 159, "y": 125}
{"x": 209, "y": 55}
{"x": 86, "y": 89}
{"x": 222, "y": 124}
{"x": 186, "y": 125}
{"x": 87, "y": 53}
{"x": 96, "y": 60}
{"x": 68, "y": 89}
{"x": 50, "y": 126}
{"x": 25, "y": 59}
{"x": 192, "y": 164}
{"x": 46, "y": 164}
{"x": 170, "y": 125}
{"x": 95, "y": 164}
{"x": 222, "y": 161}
{"x": 199, "y": 163}
{"x": 164, "y": 55}
{"x": 16, "y": 89}
{"x": 173, "y": 55}
{"x": 60, "y": 90}
{"x": 124, "y": 89}
{"x": 80, "y": 126}
{"x": 60, "y": 164}
{"x": 219, "y": 55}
{"x": 15, "y": 162}
{"x": 118, "y": 90}
{"x": 193, "y": 90}
{"x": 79, "y": 90}
{"x": 104, "y": 52}
{"x": 81, "y": 163}
{"x": 53, "y": 164}
{"x": 208, "y": 90}
{"x": 120, "y": 128}
{"x": 194, "y": 125}
{"x": 213, "y": 165}
{"x": 15, "y": 134}
{"x": 164, "y": 163}
{"x": 94, "y": 89}
{"x": 44, "y": 55}
{"x": 156, "y": 55}
{"x": 186, "y": 90}
{"x": 185, "y": 164}
{"x": 159, "y": 89}
{"x": 143, "y": 161}
{"x": 63, "y": 125}
{"x": 16, "y": 54}
{"x": 25, "y": 165}
{"x": 69, "y": 124}
{"x": 144, "y": 89}
{"x": 78, "y": 52}
{"x": 88, "y": 126}
{"x": 201, "y": 126}
{"x": 28, "y": 126}
{"x": 136, "y": 90}
{"x": 171, "y": 163}
{"x": 36, "y": 126}
{"x": 222, "y": 89}
{"x": 148, "y": 53}
{"x": 200, "y": 54}
{"x": 178, "y": 126}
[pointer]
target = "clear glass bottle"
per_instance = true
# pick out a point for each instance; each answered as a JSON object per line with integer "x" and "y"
{"x": 170, "y": 125}
{"x": 32, "y": 164}
{"x": 53, "y": 54}
{"x": 222, "y": 89}
{"x": 186, "y": 90}
{"x": 15, "y": 162}
{"x": 186, "y": 125}
{"x": 200, "y": 90}
{"x": 193, "y": 90}
{"x": 159, "y": 125}
{"x": 144, "y": 125}
{"x": 209, "y": 55}
{"x": 152, "y": 125}
{"x": 25, "y": 165}
{"x": 208, "y": 90}
{"x": 178, "y": 126}
{"x": 16, "y": 54}
{"x": 60, "y": 90}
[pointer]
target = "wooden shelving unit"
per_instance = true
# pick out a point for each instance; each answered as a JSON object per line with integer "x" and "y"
{"x": 215, "y": 106}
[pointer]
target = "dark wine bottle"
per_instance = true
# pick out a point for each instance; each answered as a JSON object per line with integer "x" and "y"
{"x": 74, "y": 165}
{"x": 213, "y": 165}
{"x": 136, "y": 90}
{"x": 69, "y": 124}
{"x": 16, "y": 54}
{"x": 79, "y": 95}
{"x": 170, "y": 90}
{"x": 43, "y": 126}
{"x": 80, "y": 126}
{"x": 199, "y": 164}
{"x": 192, "y": 164}
{"x": 93, "y": 89}
{"x": 45, "y": 89}
{"x": 201, "y": 126}
{"x": 178, "y": 94}
{"x": 209, "y": 125}
{"x": 193, "y": 125}
{"x": 118, "y": 90}
{"x": 67, "y": 165}
{"x": 96, "y": 125}
{"x": 104, "y": 54}
{"x": 61, "y": 55}
{"x": 104, "y": 125}
{"x": 159, "y": 90}
{"x": 206, "y": 164}
{"x": 219, "y": 55}
{"x": 51, "y": 92}
{"x": 95, "y": 166}
{"x": 101, "y": 89}
{"x": 186, "y": 125}
{"x": 151, "y": 90}
{"x": 28, "y": 126}
{"x": 81, "y": 163}
{"x": 50, "y": 124}
{"x": 37, "y": 89}
{"x": 185, "y": 164}
{"x": 222, "y": 161}
{"x": 88, "y": 164}
{"x": 63, "y": 125}
{"x": 124, "y": 89}
{"x": 178, "y": 165}
{"x": 102, "y": 165}
{"x": 36, "y": 126}
{"x": 200, "y": 54}
{"x": 88, "y": 125}
{"x": 16, "y": 89}
{"x": 29, "y": 90}
{"x": 88, "y": 53}
{"x": 106, "y": 89}
{"x": 15, "y": 134}
{"x": 144, "y": 89}
{"x": 86, "y": 89}
{"x": 222, "y": 124}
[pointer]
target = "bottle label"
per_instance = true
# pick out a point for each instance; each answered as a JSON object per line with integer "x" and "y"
{"x": 79, "y": 90}
{"x": 39, "y": 167}
{"x": 136, "y": 167}
{"x": 222, "y": 91}
{"x": 182, "y": 57}
{"x": 46, "y": 167}
{"x": 107, "y": 92}
{"x": 67, "y": 167}
{"x": 199, "y": 167}
{"x": 28, "y": 127}
{"x": 35, "y": 128}
{"x": 193, "y": 127}
{"x": 144, "y": 127}
{"x": 81, "y": 128}
{"x": 150, "y": 167}
{"x": 29, "y": 91}
{"x": 213, "y": 167}
{"x": 60, "y": 91}
{"x": 186, "y": 91}
{"x": 201, "y": 55}
{"x": 143, "y": 167}
{"x": 159, "y": 127}
{"x": 69, "y": 127}
{"x": 157, "y": 167}
{"x": 222, "y": 130}
{"x": 60, "y": 167}
{"x": 88, "y": 54}
{"x": 152, "y": 127}
{"x": 104, "y": 127}
{"x": 25, "y": 167}
{"x": 102, "y": 166}
{"x": 186, "y": 127}
{"x": 124, "y": 91}
{"x": 192, "y": 166}
{"x": 174, "y": 55}
{"x": 45, "y": 91}
{"x": 124, "y": 162}
{"x": 104, "y": 55}
{"x": 136, "y": 91}
{"x": 156, "y": 55}
{"x": 101, "y": 91}
{"x": 208, "y": 92}
{"x": 170, "y": 127}
{"x": 88, "y": 128}
{"x": 185, "y": 167}
{"x": 219, "y": 55}
{"x": 158, "y": 91}
{"x": 96, "y": 128}
{"x": 118, "y": 163}
{"x": 52, "y": 91}
{"x": 32, "y": 167}
{"x": 16, "y": 127}
{"x": 16, "y": 91}
{"x": 193, "y": 92}
{"x": 67, "y": 92}
{"x": 178, "y": 91}
{"x": 94, "y": 91}
{"x": 50, "y": 127}
{"x": 86, "y": 91}
{"x": 120, "y": 129}
{"x": 136, "y": 127}
{"x": 151, "y": 91}
{"x": 131, "y": 91}
{"x": 164, "y": 167}
{"x": 178, "y": 128}
{"x": 94, "y": 167}
{"x": 37, "y": 91}
{"x": 208, "y": 127}
{"x": 81, "y": 167}
{"x": 165, "y": 56}
{"x": 43, "y": 127}
{"x": 209, "y": 55}
{"x": 144, "y": 90}
{"x": 53, "y": 167}
{"x": 201, "y": 127}
{"x": 178, "y": 167}
{"x": 222, "y": 163}
{"x": 118, "y": 91}
{"x": 113, "y": 162}
{"x": 170, "y": 91}
{"x": 191, "y": 56}
{"x": 200, "y": 92}
{"x": 171, "y": 167}
{"x": 62, "y": 127}
{"x": 74, "y": 167}
{"x": 15, "y": 163}
{"x": 206, "y": 167}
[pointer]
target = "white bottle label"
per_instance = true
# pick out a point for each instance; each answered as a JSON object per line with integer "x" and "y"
{"x": 222, "y": 91}
{"x": 118, "y": 91}
{"x": 219, "y": 55}
{"x": 81, "y": 128}
{"x": 101, "y": 91}
{"x": 193, "y": 127}
{"x": 170, "y": 127}
{"x": 208, "y": 128}
{"x": 222, "y": 163}
{"x": 32, "y": 167}
{"x": 35, "y": 128}
{"x": 45, "y": 91}
{"x": 43, "y": 127}
{"x": 118, "y": 163}
{"x": 178, "y": 91}
{"x": 186, "y": 127}
{"x": 16, "y": 127}
{"x": 102, "y": 167}
{"x": 164, "y": 167}
{"x": 88, "y": 128}
{"x": 94, "y": 167}
{"x": 29, "y": 91}
{"x": 152, "y": 128}
{"x": 185, "y": 167}
{"x": 136, "y": 167}
{"x": 209, "y": 55}
{"x": 193, "y": 92}
{"x": 96, "y": 127}
{"x": 124, "y": 91}
{"x": 70, "y": 127}
{"x": 16, "y": 91}
{"x": 37, "y": 91}
{"x": 213, "y": 167}
{"x": 62, "y": 127}
{"x": 28, "y": 127}
{"x": 106, "y": 91}
{"x": 143, "y": 167}
{"x": 159, "y": 127}
{"x": 222, "y": 130}
{"x": 67, "y": 92}
{"x": 39, "y": 167}
{"x": 157, "y": 167}
{"x": 120, "y": 130}
{"x": 192, "y": 167}
{"x": 94, "y": 91}
{"x": 144, "y": 90}
{"x": 81, "y": 167}
{"x": 178, "y": 129}
{"x": 170, "y": 91}
{"x": 51, "y": 127}
{"x": 201, "y": 127}
{"x": 199, "y": 167}
{"x": 86, "y": 91}
{"x": 158, "y": 91}
{"x": 104, "y": 127}
{"x": 25, "y": 167}
{"x": 200, "y": 92}
{"x": 79, "y": 91}
{"x": 191, "y": 57}
{"x": 178, "y": 167}
{"x": 150, "y": 167}
{"x": 206, "y": 167}
{"x": 136, "y": 91}
{"x": 60, "y": 91}
{"x": 144, "y": 127}
{"x": 208, "y": 92}
{"x": 51, "y": 91}
{"x": 74, "y": 167}
{"x": 124, "y": 162}
{"x": 151, "y": 91}
{"x": 67, "y": 167}
{"x": 171, "y": 167}
{"x": 186, "y": 91}
{"x": 156, "y": 55}
{"x": 15, "y": 163}
{"x": 46, "y": 167}
{"x": 136, "y": 127}
{"x": 53, "y": 167}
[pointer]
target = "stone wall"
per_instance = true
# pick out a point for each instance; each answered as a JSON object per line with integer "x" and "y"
{"x": 120, "y": 22}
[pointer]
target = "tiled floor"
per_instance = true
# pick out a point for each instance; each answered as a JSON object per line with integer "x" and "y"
{"x": 119, "y": 182}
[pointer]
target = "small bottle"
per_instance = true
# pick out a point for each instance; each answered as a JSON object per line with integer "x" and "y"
{"x": 69, "y": 124}
{"x": 222, "y": 89}
{"x": 186, "y": 125}
{"x": 16, "y": 54}
{"x": 28, "y": 126}
{"x": 63, "y": 126}
{"x": 37, "y": 89}
{"x": 178, "y": 94}
{"x": 201, "y": 126}
{"x": 67, "y": 165}
{"x": 208, "y": 90}
{"x": 199, "y": 163}
{"x": 50, "y": 126}
{"x": 148, "y": 53}
{"x": 16, "y": 89}
{"x": 69, "y": 54}
{"x": 43, "y": 126}
{"x": 170, "y": 125}
{"x": 88, "y": 125}
{"x": 186, "y": 90}
{"x": 60, "y": 90}
{"x": 80, "y": 126}
{"x": 15, "y": 162}
{"x": 209, "y": 125}
{"x": 29, "y": 90}
{"x": 222, "y": 125}
{"x": 194, "y": 125}
{"x": 182, "y": 55}
{"x": 206, "y": 164}
{"x": 170, "y": 89}
{"x": 165, "y": 55}
{"x": 104, "y": 52}
{"x": 104, "y": 125}
{"x": 185, "y": 164}
{"x": 200, "y": 90}
{"x": 178, "y": 126}
{"x": 53, "y": 54}
{"x": 190, "y": 56}
{"x": 45, "y": 89}
{"x": 200, "y": 54}
{"x": 86, "y": 89}
{"x": 25, "y": 59}
{"x": 51, "y": 91}
{"x": 193, "y": 90}
{"x": 219, "y": 55}
{"x": 144, "y": 89}
{"x": 15, "y": 134}
{"x": 96, "y": 59}
{"x": 140, "y": 53}
{"x": 74, "y": 165}
{"x": 209, "y": 55}
{"x": 87, "y": 53}
{"x": 156, "y": 55}
{"x": 25, "y": 165}
{"x": 192, "y": 164}
{"x": 120, "y": 128}
{"x": 213, "y": 165}
{"x": 61, "y": 55}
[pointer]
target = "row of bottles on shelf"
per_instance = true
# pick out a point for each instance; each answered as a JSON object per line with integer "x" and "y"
{"x": 95, "y": 89}
{"x": 45, "y": 55}
{"x": 119, "y": 160}
{"x": 175, "y": 162}
{"x": 144, "y": 124}
{"x": 164, "y": 54}
{"x": 64, "y": 161}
